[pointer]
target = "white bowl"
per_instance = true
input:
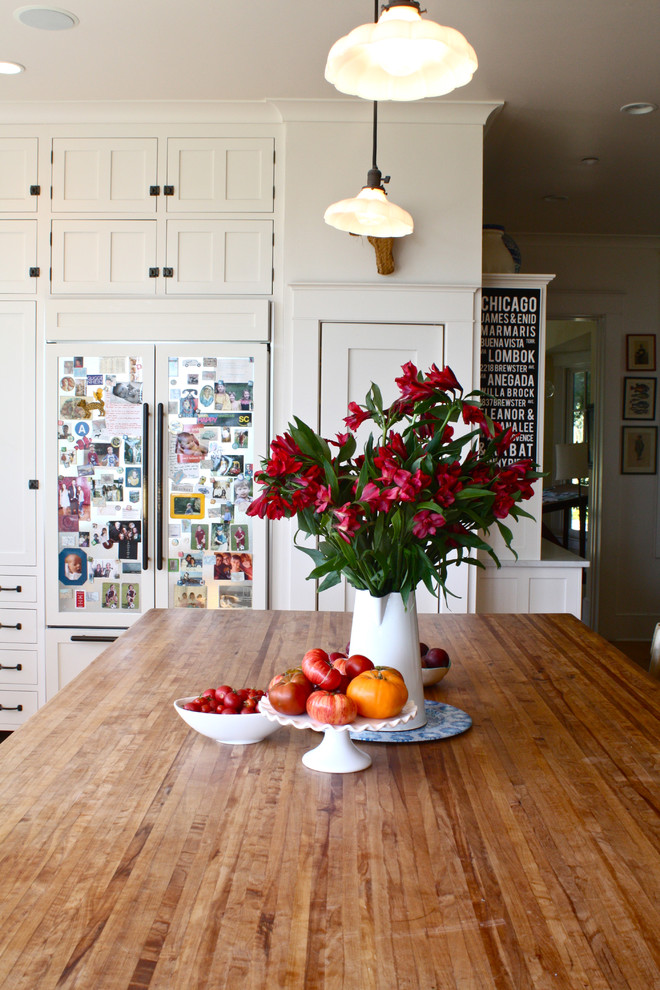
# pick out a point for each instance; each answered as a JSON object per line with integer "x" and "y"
{"x": 232, "y": 730}
{"x": 433, "y": 675}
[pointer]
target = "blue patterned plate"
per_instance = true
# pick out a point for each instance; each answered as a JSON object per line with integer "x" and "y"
{"x": 442, "y": 721}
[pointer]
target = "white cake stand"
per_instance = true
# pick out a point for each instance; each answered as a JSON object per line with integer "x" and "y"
{"x": 337, "y": 753}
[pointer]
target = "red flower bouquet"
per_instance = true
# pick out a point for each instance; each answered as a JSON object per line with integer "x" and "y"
{"x": 417, "y": 499}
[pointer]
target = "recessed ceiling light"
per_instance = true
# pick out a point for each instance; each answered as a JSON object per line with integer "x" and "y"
{"x": 552, "y": 198}
{"x": 46, "y": 18}
{"x": 637, "y": 109}
{"x": 11, "y": 68}
{"x": 589, "y": 160}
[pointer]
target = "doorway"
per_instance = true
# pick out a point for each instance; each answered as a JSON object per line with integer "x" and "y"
{"x": 571, "y": 446}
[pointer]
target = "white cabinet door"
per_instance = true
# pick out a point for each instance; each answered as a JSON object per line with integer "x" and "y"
{"x": 18, "y": 255}
{"x": 104, "y": 257}
{"x": 18, "y": 172}
{"x": 220, "y": 175}
{"x": 17, "y": 446}
{"x": 353, "y": 355}
{"x": 104, "y": 175}
{"x": 219, "y": 256}
{"x": 69, "y": 651}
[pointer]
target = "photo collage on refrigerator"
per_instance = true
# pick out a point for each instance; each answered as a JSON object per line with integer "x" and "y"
{"x": 99, "y": 485}
{"x": 210, "y": 467}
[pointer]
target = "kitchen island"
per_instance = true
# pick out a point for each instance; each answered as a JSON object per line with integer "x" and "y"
{"x": 524, "y": 853}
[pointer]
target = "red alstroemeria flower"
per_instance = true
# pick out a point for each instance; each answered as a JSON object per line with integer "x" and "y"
{"x": 473, "y": 414}
{"x": 502, "y": 506}
{"x": 410, "y": 386}
{"x": 341, "y": 439}
{"x": 426, "y": 523}
{"x": 286, "y": 457}
{"x": 378, "y": 499}
{"x": 270, "y": 505}
{"x": 348, "y": 523}
{"x": 357, "y": 416}
{"x": 396, "y": 445}
{"x": 448, "y": 480}
{"x": 445, "y": 380}
{"x": 323, "y": 498}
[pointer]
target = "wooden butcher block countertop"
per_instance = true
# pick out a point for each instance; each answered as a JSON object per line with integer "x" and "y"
{"x": 524, "y": 853}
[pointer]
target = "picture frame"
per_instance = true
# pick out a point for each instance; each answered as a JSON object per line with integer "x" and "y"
{"x": 639, "y": 398}
{"x": 639, "y": 445}
{"x": 187, "y": 506}
{"x": 640, "y": 352}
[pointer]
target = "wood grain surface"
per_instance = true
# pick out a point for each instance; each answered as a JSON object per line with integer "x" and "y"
{"x": 135, "y": 853}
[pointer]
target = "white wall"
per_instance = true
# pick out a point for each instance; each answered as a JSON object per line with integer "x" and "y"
{"x": 433, "y": 152}
{"x": 621, "y": 277}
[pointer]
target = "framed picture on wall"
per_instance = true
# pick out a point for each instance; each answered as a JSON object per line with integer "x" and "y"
{"x": 639, "y": 398}
{"x": 639, "y": 449}
{"x": 640, "y": 352}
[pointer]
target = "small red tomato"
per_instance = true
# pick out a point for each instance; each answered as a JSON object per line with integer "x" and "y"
{"x": 317, "y": 668}
{"x": 209, "y": 693}
{"x": 227, "y": 710}
{"x": 221, "y": 691}
{"x": 357, "y": 664}
{"x": 242, "y": 693}
{"x": 331, "y": 708}
{"x": 205, "y": 708}
{"x": 232, "y": 700}
{"x": 192, "y": 706}
{"x": 249, "y": 706}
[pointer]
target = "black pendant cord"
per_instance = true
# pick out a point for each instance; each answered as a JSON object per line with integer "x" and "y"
{"x": 375, "y": 137}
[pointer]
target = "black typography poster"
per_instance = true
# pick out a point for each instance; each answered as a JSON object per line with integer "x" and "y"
{"x": 510, "y": 332}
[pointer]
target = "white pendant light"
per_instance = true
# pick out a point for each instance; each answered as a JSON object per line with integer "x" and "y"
{"x": 370, "y": 212}
{"x": 401, "y": 57}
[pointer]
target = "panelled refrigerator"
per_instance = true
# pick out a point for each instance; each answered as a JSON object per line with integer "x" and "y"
{"x": 151, "y": 450}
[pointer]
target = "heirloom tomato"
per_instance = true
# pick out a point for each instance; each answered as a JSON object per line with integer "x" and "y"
{"x": 331, "y": 708}
{"x": 288, "y": 692}
{"x": 378, "y": 693}
{"x": 318, "y": 669}
{"x": 357, "y": 664}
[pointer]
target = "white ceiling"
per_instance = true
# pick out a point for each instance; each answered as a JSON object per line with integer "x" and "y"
{"x": 562, "y": 67}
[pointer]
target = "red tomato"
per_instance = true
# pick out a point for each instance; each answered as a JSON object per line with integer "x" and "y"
{"x": 331, "y": 708}
{"x": 336, "y": 656}
{"x": 232, "y": 700}
{"x": 288, "y": 692}
{"x": 357, "y": 664}
{"x": 221, "y": 691}
{"x": 209, "y": 693}
{"x": 192, "y": 706}
{"x": 317, "y": 668}
{"x": 227, "y": 710}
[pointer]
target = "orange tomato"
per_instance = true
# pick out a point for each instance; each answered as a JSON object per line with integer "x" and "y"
{"x": 378, "y": 693}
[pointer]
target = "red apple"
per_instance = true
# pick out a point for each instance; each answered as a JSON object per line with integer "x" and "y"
{"x": 423, "y": 648}
{"x": 437, "y": 657}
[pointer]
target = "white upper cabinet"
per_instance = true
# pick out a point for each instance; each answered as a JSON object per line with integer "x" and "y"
{"x": 18, "y": 255}
{"x": 18, "y": 175}
{"x": 104, "y": 175}
{"x": 219, "y": 175}
{"x": 100, "y": 257}
{"x": 219, "y": 256}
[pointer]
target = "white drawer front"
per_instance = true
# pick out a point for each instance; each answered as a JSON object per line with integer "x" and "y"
{"x": 16, "y": 707}
{"x": 18, "y": 667}
{"x": 18, "y": 625}
{"x": 15, "y": 588}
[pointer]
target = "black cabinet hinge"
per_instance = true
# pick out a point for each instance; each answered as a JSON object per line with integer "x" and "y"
{"x": 168, "y": 190}
{"x": 154, "y": 272}
{"x": 35, "y": 190}
{"x": 33, "y": 484}
{"x": 168, "y": 273}
{"x": 154, "y": 190}
{"x": 35, "y": 272}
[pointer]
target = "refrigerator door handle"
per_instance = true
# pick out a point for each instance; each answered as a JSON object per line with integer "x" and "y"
{"x": 159, "y": 487}
{"x": 145, "y": 486}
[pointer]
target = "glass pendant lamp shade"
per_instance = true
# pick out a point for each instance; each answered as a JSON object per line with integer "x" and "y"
{"x": 370, "y": 213}
{"x": 401, "y": 57}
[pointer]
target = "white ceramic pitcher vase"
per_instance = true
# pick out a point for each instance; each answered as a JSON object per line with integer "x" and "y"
{"x": 385, "y": 630}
